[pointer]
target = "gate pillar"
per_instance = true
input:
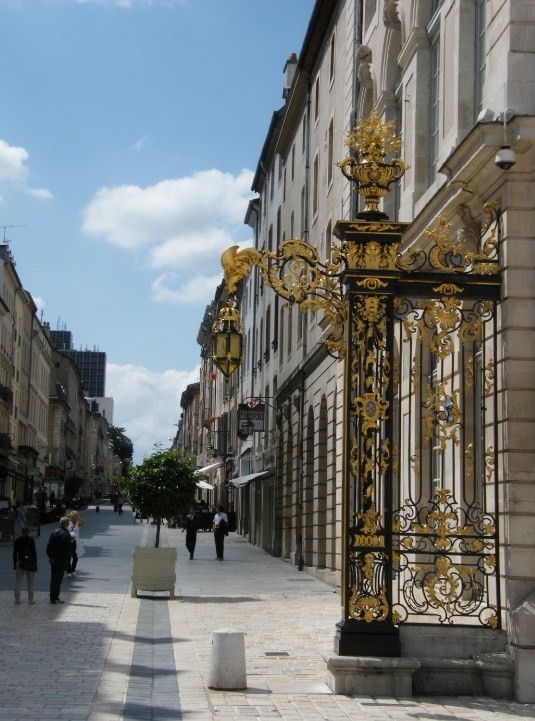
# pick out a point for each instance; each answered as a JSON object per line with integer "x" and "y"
{"x": 370, "y": 278}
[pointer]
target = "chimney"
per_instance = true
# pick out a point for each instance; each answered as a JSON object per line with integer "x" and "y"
{"x": 289, "y": 74}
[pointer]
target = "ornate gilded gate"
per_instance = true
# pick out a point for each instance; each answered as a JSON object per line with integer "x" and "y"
{"x": 421, "y": 436}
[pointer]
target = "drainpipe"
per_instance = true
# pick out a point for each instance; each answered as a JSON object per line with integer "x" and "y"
{"x": 255, "y": 304}
{"x": 299, "y": 405}
{"x": 307, "y": 164}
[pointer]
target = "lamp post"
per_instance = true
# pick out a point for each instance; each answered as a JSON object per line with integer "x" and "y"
{"x": 403, "y": 558}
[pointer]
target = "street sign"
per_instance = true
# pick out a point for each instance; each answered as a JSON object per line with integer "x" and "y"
{"x": 251, "y": 419}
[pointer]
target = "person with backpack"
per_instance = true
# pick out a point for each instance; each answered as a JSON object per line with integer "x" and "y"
{"x": 58, "y": 550}
{"x": 220, "y": 531}
{"x": 24, "y": 563}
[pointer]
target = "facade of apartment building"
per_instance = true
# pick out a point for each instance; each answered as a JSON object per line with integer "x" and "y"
{"x": 48, "y": 431}
{"x": 456, "y": 77}
{"x": 25, "y": 366}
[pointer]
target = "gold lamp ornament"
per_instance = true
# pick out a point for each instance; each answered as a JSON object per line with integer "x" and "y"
{"x": 371, "y": 140}
{"x": 228, "y": 338}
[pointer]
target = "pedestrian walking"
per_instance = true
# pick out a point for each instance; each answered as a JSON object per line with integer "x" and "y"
{"x": 75, "y": 524}
{"x": 220, "y": 523}
{"x": 192, "y": 526}
{"x": 58, "y": 550}
{"x": 120, "y": 501}
{"x": 24, "y": 563}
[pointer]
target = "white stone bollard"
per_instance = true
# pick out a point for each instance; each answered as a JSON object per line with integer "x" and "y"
{"x": 228, "y": 660}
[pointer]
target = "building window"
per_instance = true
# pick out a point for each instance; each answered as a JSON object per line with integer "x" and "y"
{"x": 303, "y": 195}
{"x": 331, "y": 60}
{"x": 267, "y": 344}
{"x": 292, "y": 164}
{"x": 281, "y": 333}
{"x": 434, "y": 96}
{"x": 399, "y": 131}
{"x": 370, "y": 8}
{"x": 330, "y": 152}
{"x": 480, "y": 54}
{"x": 328, "y": 242}
{"x": 289, "y": 334}
{"x": 315, "y": 186}
{"x": 317, "y": 100}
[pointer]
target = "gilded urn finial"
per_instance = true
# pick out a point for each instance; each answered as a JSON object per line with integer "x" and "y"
{"x": 371, "y": 139}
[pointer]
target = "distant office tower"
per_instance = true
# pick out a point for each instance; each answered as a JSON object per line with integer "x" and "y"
{"x": 90, "y": 363}
{"x": 62, "y": 339}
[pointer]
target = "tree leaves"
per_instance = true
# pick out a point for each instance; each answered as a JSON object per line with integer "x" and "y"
{"x": 163, "y": 486}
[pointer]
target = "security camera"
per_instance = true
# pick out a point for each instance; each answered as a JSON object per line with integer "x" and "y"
{"x": 505, "y": 157}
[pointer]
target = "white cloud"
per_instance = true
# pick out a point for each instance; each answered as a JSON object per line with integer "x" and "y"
{"x": 12, "y": 164}
{"x": 39, "y": 193}
{"x": 194, "y": 290}
{"x": 14, "y": 172}
{"x": 132, "y": 217}
{"x": 191, "y": 248}
{"x": 147, "y": 404}
{"x": 177, "y": 226}
{"x": 39, "y": 302}
{"x": 138, "y": 146}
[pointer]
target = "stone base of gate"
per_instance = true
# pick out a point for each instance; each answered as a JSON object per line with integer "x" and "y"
{"x": 490, "y": 675}
{"x": 369, "y": 676}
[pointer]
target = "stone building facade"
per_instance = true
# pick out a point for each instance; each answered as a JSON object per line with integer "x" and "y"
{"x": 48, "y": 431}
{"x": 456, "y": 77}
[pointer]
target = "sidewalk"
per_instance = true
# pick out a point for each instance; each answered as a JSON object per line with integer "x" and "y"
{"x": 105, "y": 656}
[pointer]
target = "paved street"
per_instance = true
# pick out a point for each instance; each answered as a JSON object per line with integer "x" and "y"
{"x": 105, "y": 656}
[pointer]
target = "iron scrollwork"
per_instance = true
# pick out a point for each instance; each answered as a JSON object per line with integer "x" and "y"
{"x": 444, "y": 554}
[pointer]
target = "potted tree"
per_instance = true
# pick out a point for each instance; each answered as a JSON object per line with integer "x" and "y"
{"x": 162, "y": 487}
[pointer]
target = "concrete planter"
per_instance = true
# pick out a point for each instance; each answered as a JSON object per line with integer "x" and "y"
{"x": 154, "y": 570}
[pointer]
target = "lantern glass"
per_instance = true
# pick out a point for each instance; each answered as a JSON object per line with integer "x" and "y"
{"x": 228, "y": 351}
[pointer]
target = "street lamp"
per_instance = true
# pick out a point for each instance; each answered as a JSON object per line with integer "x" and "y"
{"x": 228, "y": 338}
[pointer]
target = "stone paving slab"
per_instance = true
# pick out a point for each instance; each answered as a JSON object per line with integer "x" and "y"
{"x": 105, "y": 656}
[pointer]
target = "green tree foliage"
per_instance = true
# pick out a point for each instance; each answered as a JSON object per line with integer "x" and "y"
{"x": 163, "y": 486}
{"x": 122, "y": 447}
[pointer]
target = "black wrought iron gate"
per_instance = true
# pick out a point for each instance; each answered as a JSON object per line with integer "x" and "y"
{"x": 421, "y": 430}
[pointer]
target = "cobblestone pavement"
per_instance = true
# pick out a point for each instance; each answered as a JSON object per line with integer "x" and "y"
{"x": 105, "y": 656}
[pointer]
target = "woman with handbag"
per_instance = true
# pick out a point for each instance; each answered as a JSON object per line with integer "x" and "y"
{"x": 24, "y": 563}
{"x": 75, "y": 524}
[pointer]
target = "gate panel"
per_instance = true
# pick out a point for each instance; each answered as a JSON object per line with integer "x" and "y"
{"x": 444, "y": 522}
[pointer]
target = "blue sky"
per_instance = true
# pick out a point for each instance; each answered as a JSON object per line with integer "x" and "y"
{"x": 129, "y": 134}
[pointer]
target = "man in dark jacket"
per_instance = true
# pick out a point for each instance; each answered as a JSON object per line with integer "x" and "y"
{"x": 24, "y": 563}
{"x": 58, "y": 550}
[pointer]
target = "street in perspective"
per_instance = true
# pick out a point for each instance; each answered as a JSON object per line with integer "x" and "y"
{"x": 105, "y": 655}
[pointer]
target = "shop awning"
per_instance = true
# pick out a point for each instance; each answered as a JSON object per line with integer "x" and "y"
{"x": 211, "y": 467}
{"x": 245, "y": 480}
{"x": 203, "y": 484}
